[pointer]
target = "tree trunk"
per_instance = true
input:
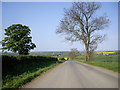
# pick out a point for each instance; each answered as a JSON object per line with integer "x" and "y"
{"x": 88, "y": 55}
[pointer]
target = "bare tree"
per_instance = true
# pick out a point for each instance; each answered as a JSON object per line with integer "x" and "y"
{"x": 73, "y": 53}
{"x": 80, "y": 24}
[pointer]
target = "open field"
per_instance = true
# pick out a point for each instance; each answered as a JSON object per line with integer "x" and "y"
{"x": 106, "y": 61}
{"x": 18, "y": 70}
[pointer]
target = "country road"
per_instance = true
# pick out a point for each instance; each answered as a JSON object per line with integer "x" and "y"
{"x": 72, "y": 74}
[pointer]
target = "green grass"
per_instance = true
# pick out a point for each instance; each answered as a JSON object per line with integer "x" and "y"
{"x": 109, "y": 62}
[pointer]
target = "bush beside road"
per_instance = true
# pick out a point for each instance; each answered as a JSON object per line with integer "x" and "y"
{"x": 18, "y": 70}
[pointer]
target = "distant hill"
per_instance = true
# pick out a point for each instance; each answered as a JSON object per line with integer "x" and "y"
{"x": 47, "y": 53}
{"x": 50, "y": 53}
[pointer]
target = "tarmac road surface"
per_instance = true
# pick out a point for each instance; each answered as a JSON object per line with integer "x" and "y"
{"x": 72, "y": 74}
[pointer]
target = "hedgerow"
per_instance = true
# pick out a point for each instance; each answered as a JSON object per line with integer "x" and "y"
{"x": 10, "y": 62}
{"x": 18, "y": 68}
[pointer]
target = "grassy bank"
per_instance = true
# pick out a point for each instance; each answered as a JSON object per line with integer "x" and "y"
{"x": 18, "y": 70}
{"x": 105, "y": 61}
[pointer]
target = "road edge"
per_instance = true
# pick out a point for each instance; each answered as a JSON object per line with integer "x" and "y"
{"x": 104, "y": 70}
{"x": 42, "y": 74}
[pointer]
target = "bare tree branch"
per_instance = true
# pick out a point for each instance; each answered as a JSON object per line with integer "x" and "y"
{"x": 80, "y": 24}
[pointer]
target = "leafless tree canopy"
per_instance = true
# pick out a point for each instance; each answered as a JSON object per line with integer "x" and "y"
{"x": 73, "y": 53}
{"x": 80, "y": 24}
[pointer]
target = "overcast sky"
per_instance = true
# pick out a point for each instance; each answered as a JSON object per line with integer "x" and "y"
{"x": 43, "y": 19}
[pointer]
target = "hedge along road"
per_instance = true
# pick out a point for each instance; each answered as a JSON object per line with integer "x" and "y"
{"x": 72, "y": 74}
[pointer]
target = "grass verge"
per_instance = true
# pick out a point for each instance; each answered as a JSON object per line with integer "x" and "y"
{"x": 109, "y": 62}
